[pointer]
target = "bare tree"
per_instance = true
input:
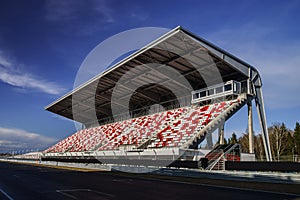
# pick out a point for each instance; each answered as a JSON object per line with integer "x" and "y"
{"x": 278, "y": 139}
{"x": 244, "y": 142}
{"x": 259, "y": 147}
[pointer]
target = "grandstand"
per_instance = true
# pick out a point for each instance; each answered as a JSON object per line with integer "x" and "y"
{"x": 165, "y": 120}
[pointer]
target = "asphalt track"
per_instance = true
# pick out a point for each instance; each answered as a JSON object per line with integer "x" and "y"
{"x": 20, "y": 181}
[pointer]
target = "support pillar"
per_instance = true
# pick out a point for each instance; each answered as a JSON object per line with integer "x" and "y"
{"x": 209, "y": 141}
{"x": 263, "y": 123}
{"x": 221, "y": 134}
{"x": 250, "y": 128}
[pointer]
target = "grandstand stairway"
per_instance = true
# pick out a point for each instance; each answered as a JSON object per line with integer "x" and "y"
{"x": 216, "y": 158}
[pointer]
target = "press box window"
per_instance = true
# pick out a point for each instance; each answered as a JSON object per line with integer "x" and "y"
{"x": 219, "y": 90}
{"x": 196, "y": 95}
{"x": 210, "y": 92}
{"x": 228, "y": 87}
{"x": 203, "y": 94}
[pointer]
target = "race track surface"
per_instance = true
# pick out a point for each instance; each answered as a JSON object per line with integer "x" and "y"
{"x": 20, "y": 181}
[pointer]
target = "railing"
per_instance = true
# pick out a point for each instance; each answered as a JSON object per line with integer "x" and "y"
{"x": 215, "y": 160}
{"x": 218, "y": 157}
{"x": 147, "y": 154}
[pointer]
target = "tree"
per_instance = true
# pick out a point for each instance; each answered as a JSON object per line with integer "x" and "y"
{"x": 296, "y": 139}
{"x": 225, "y": 141}
{"x": 290, "y": 146}
{"x": 233, "y": 139}
{"x": 244, "y": 142}
{"x": 259, "y": 147}
{"x": 278, "y": 134}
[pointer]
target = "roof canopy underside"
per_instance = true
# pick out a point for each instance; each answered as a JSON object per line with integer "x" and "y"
{"x": 149, "y": 74}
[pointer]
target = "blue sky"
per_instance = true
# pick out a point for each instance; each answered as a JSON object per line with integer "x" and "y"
{"x": 43, "y": 43}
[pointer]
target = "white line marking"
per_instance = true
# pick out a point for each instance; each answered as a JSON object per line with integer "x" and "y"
{"x": 82, "y": 190}
{"x": 68, "y": 195}
{"x": 5, "y": 194}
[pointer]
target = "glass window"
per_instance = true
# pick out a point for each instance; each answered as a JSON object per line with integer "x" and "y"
{"x": 203, "y": 94}
{"x": 210, "y": 92}
{"x": 196, "y": 96}
{"x": 228, "y": 87}
{"x": 219, "y": 89}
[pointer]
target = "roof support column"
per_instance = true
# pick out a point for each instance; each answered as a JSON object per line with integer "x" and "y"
{"x": 259, "y": 101}
{"x": 250, "y": 127}
{"x": 221, "y": 133}
{"x": 209, "y": 141}
{"x": 263, "y": 123}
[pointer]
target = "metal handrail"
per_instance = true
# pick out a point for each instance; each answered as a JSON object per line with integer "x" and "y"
{"x": 211, "y": 166}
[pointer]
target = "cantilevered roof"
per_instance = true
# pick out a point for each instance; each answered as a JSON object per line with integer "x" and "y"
{"x": 191, "y": 56}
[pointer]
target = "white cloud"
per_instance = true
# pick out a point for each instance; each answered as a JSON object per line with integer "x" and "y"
{"x": 101, "y": 6}
{"x": 90, "y": 16}
{"x": 73, "y": 10}
{"x": 138, "y": 12}
{"x": 280, "y": 73}
{"x": 277, "y": 60}
{"x": 61, "y": 10}
{"x": 10, "y": 75}
{"x": 17, "y": 139}
{"x": 4, "y": 61}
